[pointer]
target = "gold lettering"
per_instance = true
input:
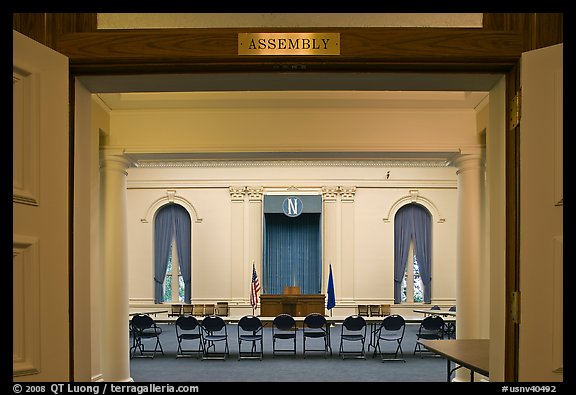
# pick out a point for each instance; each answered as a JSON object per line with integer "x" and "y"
{"x": 289, "y": 44}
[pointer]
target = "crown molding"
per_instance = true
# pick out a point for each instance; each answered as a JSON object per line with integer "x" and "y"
{"x": 288, "y": 163}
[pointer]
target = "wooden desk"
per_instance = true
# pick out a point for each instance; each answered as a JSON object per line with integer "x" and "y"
{"x": 295, "y": 305}
{"x": 469, "y": 353}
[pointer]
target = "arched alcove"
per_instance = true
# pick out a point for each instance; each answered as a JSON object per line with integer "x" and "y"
{"x": 414, "y": 197}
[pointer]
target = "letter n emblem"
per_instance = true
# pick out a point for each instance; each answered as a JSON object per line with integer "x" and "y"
{"x": 292, "y": 206}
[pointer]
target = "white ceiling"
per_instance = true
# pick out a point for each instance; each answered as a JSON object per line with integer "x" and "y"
{"x": 294, "y": 99}
{"x": 280, "y": 90}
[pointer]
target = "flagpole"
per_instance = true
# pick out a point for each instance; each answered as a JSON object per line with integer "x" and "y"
{"x": 254, "y": 289}
{"x": 331, "y": 298}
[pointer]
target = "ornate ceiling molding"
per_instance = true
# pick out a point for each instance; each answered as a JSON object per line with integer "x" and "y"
{"x": 289, "y": 163}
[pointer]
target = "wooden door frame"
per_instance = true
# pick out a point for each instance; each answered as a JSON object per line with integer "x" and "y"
{"x": 496, "y": 47}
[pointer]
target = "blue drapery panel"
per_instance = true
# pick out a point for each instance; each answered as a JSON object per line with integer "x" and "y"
{"x": 423, "y": 248}
{"x": 171, "y": 220}
{"x": 163, "y": 229}
{"x": 292, "y": 253}
{"x": 182, "y": 227}
{"x": 412, "y": 222}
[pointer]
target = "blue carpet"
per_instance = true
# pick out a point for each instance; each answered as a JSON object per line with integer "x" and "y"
{"x": 288, "y": 368}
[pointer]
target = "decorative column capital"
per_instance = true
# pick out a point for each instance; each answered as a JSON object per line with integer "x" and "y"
{"x": 114, "y": 159}
{"x": 347, "y": 193}
{"x": 237, "y": 193}
{"x": 329, "y": 194}
{"x": 255, "y": 194}
{"x": 469, "y": 161}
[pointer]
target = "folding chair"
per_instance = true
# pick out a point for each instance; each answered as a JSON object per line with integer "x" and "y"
{"x": 144, "y": 328}
{"x": 250, "y": 329}
{"x": 353, "y": 330}
{"x": 188, "y": 330}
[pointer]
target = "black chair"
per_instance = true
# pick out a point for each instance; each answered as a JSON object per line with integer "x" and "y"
{"x": 450, "y": 329}
{"x": 188, "y": 330}
{"x": 250, "y": 329}
{"x": 214, "y": 331}
{"x": 316, "y": 327}
{"x": 431, "y": 328}
{"x": 144, "y": 328}
{"x": 353, "y": 330}
{"x": 392, "y": 329}
{"x": 284, "y": 328}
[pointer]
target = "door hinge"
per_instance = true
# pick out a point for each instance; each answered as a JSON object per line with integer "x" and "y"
{"x": 515, "y": 109}
{"x": 515, "y": 307}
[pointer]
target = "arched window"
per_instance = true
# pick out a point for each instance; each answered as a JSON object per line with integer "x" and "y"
{"x": 412, "y": 254}
{"x": 172, "y": 254}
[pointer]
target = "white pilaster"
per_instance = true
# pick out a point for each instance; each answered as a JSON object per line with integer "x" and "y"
{"x": 114, "y": 290}
{"x": 347, "y": 195}
{"x": 237, "y": 259}
{"x": 330, "y": 236}
{"x": 470, "y": 171}
{"x": 254, "y": 248}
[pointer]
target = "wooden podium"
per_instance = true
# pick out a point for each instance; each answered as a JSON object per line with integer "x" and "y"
{"x": 297, "y": 305}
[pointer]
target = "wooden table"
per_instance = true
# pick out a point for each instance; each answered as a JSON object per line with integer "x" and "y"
{"x": 469, "y": 353}
{"x": 299, "y": 305}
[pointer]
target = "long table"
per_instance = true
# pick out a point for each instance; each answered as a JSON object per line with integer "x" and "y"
{"x": 469, "y": 353}
{"x": 444, "y": 313}
{"x": 269, "y": 319}
{"x": 148, "y": 312}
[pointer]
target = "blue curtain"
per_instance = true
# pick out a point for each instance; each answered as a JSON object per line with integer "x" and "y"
{"x": 292, "y": 253}
{"x": 423, "y": 248}
{"x": 402, "y": 237}
{"x": 171, "y": 219}
{"x": 182, "y": 227}
{"x": 412, "y": 222}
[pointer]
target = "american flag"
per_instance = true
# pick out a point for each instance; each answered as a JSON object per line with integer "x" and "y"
{"x": 254, "y": 288}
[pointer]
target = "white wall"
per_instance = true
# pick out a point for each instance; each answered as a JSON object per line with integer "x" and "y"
{"x": 358, "y": 235}
{"x": 211, "y": 242}
{"x": 206, "y": 189}
{"x": 229, "y": 130}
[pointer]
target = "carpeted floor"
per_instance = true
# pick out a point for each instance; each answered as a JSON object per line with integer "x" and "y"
{"x": 288, "y": 368}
